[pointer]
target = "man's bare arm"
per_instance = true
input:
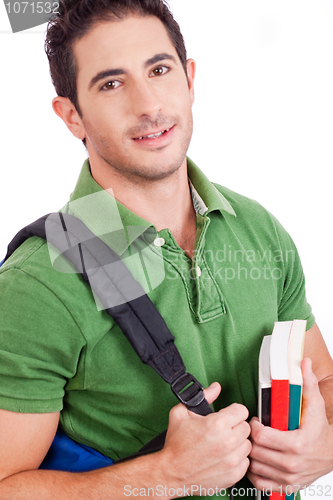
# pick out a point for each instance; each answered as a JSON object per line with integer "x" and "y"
{"x": 322, "y": 366}
{"x": 208, "y": 451}
{"x": 24, "y": 440}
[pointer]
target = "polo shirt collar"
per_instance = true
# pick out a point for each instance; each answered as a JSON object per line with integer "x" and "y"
{"x": 116, "y": 225}
{"x": 210, "y": 196}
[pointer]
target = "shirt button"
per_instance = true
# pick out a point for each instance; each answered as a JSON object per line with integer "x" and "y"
{"x": 159, "y": 242}
{"x": 195, "y": 272}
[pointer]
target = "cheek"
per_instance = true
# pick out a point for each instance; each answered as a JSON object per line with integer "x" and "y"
{"x": 111, "y": 117}
{"x": 183, "y": 99}
{"x": 100, "y": 123}
{"x": 184, "y": 108}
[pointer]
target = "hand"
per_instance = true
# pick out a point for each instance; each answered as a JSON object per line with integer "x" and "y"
{"x": 210, "y": 451}
{"x": 294, "y": 458}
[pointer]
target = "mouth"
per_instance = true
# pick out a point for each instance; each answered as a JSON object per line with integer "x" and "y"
{"x": 152, "y": 137}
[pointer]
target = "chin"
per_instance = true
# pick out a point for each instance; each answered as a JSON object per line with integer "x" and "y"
{"x": 159, "y": 170}
{"x": 147, "y": 167}
{"x": 150, "y": 175}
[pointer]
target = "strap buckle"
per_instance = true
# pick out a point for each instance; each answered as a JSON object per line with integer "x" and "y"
{"x": 188, "y": 390}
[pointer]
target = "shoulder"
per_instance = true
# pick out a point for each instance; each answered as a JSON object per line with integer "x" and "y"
{"x": 32, "y": 259}
{"x": 255, "y": 223}
{"x": 248, "y": 210}
{"x": 28, "y": 277}
{"x": 29, "y": 273}
{"x": 33, "y": 250}
{"x": 242, "y": 205}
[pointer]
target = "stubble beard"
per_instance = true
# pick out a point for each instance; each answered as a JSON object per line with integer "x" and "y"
{"x": 135, "y": 171}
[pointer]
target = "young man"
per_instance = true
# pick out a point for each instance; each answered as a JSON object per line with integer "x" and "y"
{"x": 125, "y": 88}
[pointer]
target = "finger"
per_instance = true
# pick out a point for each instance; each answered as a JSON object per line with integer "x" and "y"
{"x": 241, "y": 433}
{"x": 270, "y": 484}
{"x": 267, "y": 437}
{"x": 236, "y": 462}
{"x": 240, "y": 456}
{"x": 313, "y": 403}
{"x": 270, "y": 465}
{"x": 234, "y": 414}
{"x": 263, "y": 484}
{"x": 212, "y": 392}
{"x": 268, "y": 456}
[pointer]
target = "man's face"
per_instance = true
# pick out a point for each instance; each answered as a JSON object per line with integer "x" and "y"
{"x": 135, "y": 98}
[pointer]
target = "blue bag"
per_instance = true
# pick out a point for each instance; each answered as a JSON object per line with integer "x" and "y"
{"x": 67, "y": 455}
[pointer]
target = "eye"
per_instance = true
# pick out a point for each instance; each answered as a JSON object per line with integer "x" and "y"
{"x": 112, "y": 85}
{"x": 160, "y": 70}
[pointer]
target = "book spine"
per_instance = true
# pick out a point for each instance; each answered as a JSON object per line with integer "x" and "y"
{"x": 266, "y": 406}
{"x": 265, "y": 419}
{"x": 280, "y": 404}
{"x": 295, "y": 401}
{"x": 279, "y": 413}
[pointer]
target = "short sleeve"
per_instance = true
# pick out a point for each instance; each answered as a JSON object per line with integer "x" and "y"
{"x": 40, "y": 345}
{"x": 293, "y": 303}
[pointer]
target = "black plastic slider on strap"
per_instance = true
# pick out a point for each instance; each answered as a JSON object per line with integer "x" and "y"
{"x": 190, "y": 392}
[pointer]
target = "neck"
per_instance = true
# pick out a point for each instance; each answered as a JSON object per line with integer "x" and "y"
{"x": 167, "y": 202}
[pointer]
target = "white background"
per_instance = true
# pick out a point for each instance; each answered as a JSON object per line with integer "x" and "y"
{"x": 263, "y": 123}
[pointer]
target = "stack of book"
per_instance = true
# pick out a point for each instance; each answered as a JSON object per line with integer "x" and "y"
{"x": 280, "y": 379}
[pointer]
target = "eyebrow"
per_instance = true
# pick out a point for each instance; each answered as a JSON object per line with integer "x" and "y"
{"x": 117, "y": 72}
{"x": 158, "y": 58}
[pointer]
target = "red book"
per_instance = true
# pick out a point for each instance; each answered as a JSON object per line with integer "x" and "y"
{"x": 280, "y": 404}
{"x": 280, "y": 380}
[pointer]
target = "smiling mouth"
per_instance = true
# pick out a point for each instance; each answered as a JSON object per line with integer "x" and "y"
{"x": 152, "y": 136}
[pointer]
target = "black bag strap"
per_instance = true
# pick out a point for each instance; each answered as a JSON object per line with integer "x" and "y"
{"x": 138, "y": 318}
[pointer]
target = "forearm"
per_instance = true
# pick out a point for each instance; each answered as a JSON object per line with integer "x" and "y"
{"x": 209, "y": 451}
{"x": 326, "y": 390}
{"x": 103, "y": 484}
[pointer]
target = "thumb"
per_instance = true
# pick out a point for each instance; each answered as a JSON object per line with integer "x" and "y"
{"x": 313, "y": 402}
{"x": 180, "y": 411}
{"x": 212, "y": 392}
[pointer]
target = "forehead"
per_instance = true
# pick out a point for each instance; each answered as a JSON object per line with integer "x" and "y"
{"x": 122, "y": 43}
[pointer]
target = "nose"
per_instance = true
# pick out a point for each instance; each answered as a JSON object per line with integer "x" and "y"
{"x": 145, "y": 101}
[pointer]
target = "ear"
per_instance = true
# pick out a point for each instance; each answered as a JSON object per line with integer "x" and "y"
{"x": 191, "y": 66}
{"x": 66, "y": 110}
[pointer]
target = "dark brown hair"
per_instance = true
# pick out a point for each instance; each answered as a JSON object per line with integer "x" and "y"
{"x": 77, "y": 17}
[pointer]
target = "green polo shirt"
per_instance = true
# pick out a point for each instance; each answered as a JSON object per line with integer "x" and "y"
{"x": 59, "y": 350}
